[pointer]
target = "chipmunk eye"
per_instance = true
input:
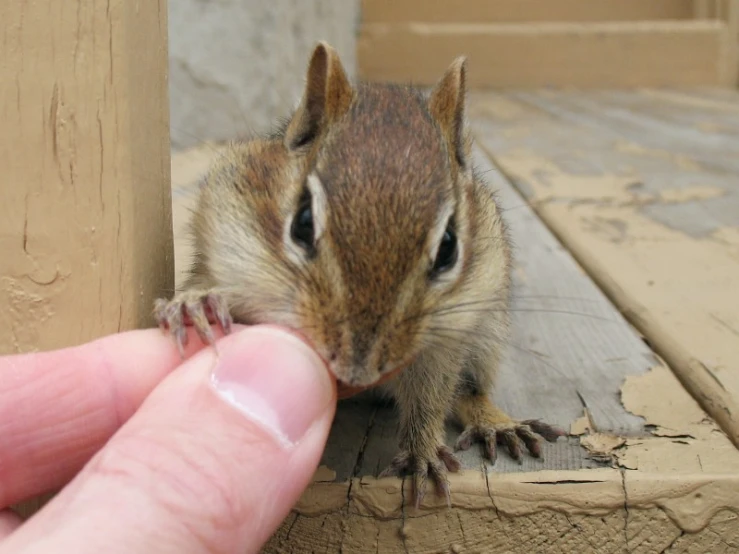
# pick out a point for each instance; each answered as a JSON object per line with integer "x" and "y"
{"x": 302, "y": 230}
{"x": 447, "y": 255}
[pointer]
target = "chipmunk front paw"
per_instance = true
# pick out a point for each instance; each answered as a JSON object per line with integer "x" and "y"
{"x": 485, "y": 423}
{"x": 192, "y": 307}
{"x": 433, "y": 465}
{"x": 511, "y": 434}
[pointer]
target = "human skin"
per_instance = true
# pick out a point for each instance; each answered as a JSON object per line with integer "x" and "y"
{"x": 156, "y": 454}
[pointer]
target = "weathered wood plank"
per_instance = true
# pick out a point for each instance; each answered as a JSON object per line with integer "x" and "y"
{"x": 585, "y": 55}
{"x": 649, "y": 204}
{"x": 659, "y": 123}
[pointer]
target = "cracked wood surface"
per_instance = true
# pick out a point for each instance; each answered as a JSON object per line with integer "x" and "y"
{"x": 643, "y": 188}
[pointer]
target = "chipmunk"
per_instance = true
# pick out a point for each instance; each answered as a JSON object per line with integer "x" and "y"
{"x": 362, "y": 225}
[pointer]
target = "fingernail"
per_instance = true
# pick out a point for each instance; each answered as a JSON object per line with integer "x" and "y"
{"x": 275, "y": 379}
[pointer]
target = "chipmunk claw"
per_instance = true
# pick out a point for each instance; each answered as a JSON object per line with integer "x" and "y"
{"x": 550, "y": 432}
{"x": 513, "y": 435}
{"x": 422, "y": 468}
{"x": 197, "y": 308}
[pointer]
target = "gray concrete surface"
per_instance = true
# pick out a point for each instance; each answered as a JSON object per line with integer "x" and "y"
{"x": 237, "y": 65}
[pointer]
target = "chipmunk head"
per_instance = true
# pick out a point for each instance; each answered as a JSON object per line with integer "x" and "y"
{"x": 358, "y": 224}
{"x": 380, "y": 230}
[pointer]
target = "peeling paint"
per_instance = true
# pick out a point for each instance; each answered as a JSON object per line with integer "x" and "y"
{"x": 324, "y": 474}
{"x": 602, "y": 445}
{"x": 683, "y": 162}
{"x": 629, "y": 259}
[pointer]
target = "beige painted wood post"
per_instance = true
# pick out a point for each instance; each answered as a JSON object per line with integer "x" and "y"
{"x": 85, "y": 205}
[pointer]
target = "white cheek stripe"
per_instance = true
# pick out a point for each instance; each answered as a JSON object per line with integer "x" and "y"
{"x": 452, "y": 275}
{"x": 319, "y": 204}
{"x": 319, "y": 207}
{"x": 442, "y": 220}
{"x": 291, "y": 249}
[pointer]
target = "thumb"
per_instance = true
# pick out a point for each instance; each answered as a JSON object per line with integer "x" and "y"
{"x": 212, "y": 462}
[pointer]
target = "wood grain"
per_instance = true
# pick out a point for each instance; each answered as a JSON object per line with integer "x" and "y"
{"x": 85, "y": 216}
{"x": 644, "y": 190}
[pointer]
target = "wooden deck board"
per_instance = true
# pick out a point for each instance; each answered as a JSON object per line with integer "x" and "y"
{"x": 648, "y": 200}
{"x": 707, "y": 136}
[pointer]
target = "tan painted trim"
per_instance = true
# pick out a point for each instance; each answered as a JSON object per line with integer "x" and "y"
{"x": 687, "y": 53}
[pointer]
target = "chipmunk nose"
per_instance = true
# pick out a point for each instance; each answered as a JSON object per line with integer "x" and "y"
{"x": 339, "y": 369}
{"x": 352, "y": 375}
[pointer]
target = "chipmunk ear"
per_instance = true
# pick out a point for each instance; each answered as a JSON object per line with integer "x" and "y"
{"x": 447, "y": 104}
{"x": 327, "y": 95}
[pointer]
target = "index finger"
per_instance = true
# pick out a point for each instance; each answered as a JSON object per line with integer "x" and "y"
{"x": 58, "y": 408}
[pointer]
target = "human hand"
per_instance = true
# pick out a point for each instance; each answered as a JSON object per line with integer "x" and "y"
{"x": 205, "y": 455}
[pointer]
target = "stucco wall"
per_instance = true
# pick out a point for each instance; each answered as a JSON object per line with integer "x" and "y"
{"x": 236, "y": 65}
